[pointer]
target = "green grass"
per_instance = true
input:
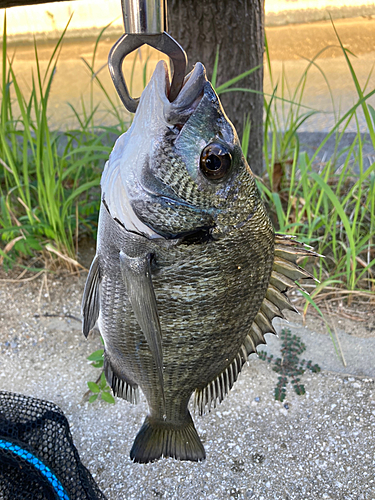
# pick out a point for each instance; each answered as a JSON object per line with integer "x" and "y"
{"x": 49, "y": 180}
{"x": 332, "y": 209}
{"x": 328, "y": 207}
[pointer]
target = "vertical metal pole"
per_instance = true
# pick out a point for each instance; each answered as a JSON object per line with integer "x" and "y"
{"x": 146, "y": 17}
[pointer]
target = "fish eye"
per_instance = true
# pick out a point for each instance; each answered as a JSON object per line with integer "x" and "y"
{"x": 215, "y": 161}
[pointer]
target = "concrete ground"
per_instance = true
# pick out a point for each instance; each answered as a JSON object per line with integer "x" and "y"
{"x": 317, "y": 446}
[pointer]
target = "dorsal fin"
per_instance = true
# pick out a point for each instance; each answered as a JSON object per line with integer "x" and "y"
{"x": 90, "y": 299}
{"x": 285, "y": 272}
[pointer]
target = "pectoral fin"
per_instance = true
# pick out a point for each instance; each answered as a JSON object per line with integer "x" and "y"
{"x": 136, "y": 273}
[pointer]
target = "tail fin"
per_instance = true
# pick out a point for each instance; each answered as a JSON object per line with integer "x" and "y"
{"x": 158, "y": 439}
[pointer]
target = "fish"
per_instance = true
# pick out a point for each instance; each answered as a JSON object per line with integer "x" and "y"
{"x": 188, "y": 273}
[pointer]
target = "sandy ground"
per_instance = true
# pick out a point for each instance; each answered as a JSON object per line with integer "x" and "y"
{"x": 316, "y": 446}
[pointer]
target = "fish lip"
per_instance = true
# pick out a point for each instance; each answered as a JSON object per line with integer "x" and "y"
{"x": 122, "y": 183}
{"x": 189, "y": 97}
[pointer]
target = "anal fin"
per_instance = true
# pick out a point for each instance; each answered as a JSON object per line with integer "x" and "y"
{"x": 119, "y": 385}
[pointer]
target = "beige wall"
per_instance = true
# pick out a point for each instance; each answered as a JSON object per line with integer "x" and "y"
{"x": 301, "y": 11}
{"x": 293, "y": 5}
{"x": 46, "y": 20}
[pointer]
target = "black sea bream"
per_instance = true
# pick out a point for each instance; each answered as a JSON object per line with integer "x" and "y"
{"x": 188, "y": 273}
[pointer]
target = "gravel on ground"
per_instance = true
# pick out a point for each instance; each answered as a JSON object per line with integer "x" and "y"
{"x": 319, "y": 446}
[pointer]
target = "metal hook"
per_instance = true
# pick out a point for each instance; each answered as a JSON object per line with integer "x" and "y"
{"x": 144, "y": 22}
{"x": 162, "y": 42}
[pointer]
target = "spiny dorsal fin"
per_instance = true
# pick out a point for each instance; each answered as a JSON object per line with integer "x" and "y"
{"x": 291, "y": 245}
{"x": 285, "y": 271}
{"x": 256, "y": 336}
{"x": 280, "y": 281}
{"x": 290, "y": 269}
{"x": 284, "y": 274}
{"x": 279, "y": 299}
{"x": 264, "y": 323}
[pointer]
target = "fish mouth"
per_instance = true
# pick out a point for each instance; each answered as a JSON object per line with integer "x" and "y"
{"x": 179, "y": 111}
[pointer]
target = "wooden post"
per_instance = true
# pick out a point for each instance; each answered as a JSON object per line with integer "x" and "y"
{"x": 237, "y": 28}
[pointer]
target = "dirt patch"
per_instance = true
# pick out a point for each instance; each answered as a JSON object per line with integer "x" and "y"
{"x": 31, "y": 306}
{"x": 363, "y": 327}
{"x": 30, "y": 309}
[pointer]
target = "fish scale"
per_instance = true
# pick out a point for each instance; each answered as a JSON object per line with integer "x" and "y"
{"x": 173, "y": 173}
{"x": 186, "y": 280}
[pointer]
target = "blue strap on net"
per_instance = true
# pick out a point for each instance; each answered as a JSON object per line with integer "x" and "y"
{"x": 38, "y": 464}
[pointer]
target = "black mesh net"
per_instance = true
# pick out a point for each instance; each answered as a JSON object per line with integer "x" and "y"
{"x": 38, "y": 460}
